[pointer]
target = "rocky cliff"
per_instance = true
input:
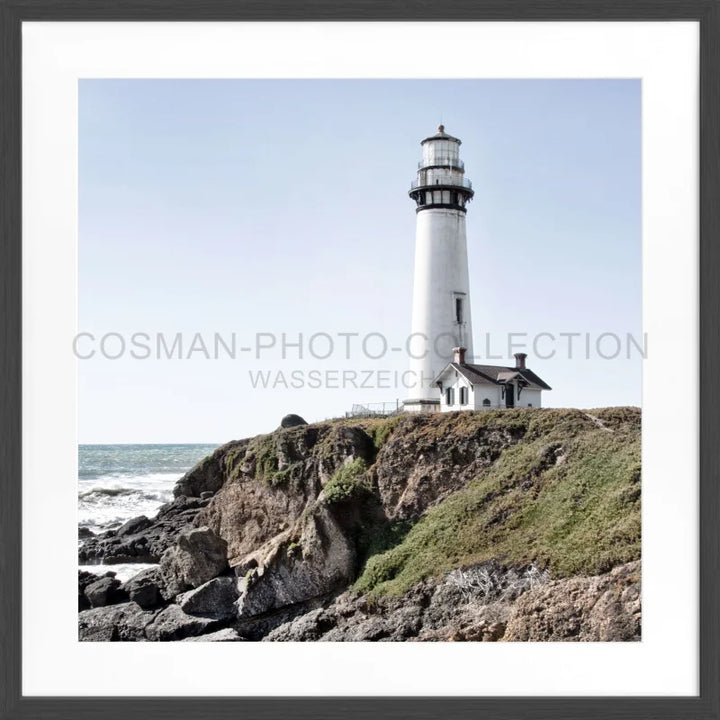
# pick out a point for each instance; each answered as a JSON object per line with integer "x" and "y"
{"x": 495, "y": 525}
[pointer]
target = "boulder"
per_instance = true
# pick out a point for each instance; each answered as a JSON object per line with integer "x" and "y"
{"x": 226, "y": 635}
{"x": 126, "y": 622}
{"x": 145, "y": 588}
{"x": 174, "y": 624}
{"x": 198, "y": 556}
{"x": 133, "y": 526}
{"x": 105, "y": 591}
{"x": 213, "y": 599}
{"x": 291, "y": 420}
{"x": 310, "y": 626}
{"x": 84, "y": 579}
{"x": 321, "y": 561}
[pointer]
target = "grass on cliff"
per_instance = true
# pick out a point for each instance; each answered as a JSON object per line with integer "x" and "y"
{"x": 567, "y": 497}
{"x": 350, "y": 482}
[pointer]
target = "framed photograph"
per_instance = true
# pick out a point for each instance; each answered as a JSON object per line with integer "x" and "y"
{"x": 358, "y": 360}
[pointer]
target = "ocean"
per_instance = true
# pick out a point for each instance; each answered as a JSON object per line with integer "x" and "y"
{"x": 120, "y": 482}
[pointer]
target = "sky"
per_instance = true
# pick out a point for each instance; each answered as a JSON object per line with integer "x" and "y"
{"x": 257, "y": 209}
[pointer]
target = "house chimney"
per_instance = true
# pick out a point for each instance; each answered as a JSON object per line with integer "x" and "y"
{"x": 459, "y": 355}
{"x": 520, "y": 361}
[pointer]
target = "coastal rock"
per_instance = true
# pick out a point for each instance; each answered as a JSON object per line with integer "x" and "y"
{"x": 306, "y": 513}
{"x": 198, "y": 556}
{"x": 214, "y": 599}
{"x": 274, "y": 481}
{"x": 226, "y": 635}
{"x": 146, "y": 588}
{"x": 433, "y": 610}
{"x": 308, "y": 627}
{"x": 348, "y": 619}
{"x": 209, "y": 474}
{"x": 105, "y": 591}
{"x": 84, "y": 580}
{"x": 125, "y": 622}
{"x": 442, "y": 462}
{"x": 174, "y": 624}
{"x": 143, "y": 540}
{"x": 601, "y": 608}
{"x": 321, "y": 560}
{"x": 258, "y": 627}
{"x": 134, "y": 526}
{"x": 291, "y": 420}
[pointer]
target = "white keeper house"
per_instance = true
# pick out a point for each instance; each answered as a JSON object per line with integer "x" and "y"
{"x": 442, "y": 339}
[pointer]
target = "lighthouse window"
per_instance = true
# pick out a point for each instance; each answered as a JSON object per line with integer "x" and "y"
{"x": 446, "y": 196}
{"x": 450, "y": 396}
{"x": 458, "y": 310}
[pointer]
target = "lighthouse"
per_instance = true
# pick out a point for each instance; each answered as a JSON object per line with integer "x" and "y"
{"x": 441, "y": 294}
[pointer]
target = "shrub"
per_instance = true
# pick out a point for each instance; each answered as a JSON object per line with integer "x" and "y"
{"x": 348, "y": 483}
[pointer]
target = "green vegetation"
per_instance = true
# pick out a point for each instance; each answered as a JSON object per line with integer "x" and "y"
{"x": 290, "y": 475}
{"x": 265, "y": 450}
{"x": 381, "y": 431}
{"x": 233, "y": 460}
{"x": 377, "y": 537}
{"x": 350, "y": 482}
{"x": 266, "y": 460}
{"x": 567, "y": 498}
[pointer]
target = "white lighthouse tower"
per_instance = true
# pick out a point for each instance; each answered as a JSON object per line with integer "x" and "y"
{"x": 441, "y": 296}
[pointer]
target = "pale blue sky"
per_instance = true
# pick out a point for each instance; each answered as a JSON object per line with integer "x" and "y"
{"x": 281, "y": 206}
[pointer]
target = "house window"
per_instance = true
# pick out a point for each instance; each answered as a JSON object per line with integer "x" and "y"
{"x": 486, "y": 402}
{"x": 458, "y": 310}
{"x": 529, "y": 404}
{"x": 450, "y": 396}
{"x": 463, "y": 396}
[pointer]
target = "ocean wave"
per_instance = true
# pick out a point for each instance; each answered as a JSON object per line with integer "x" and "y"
{"x": 100, "y": 493}
{"x": 103, "y": 508}
{"x": 111, "y": 492}
{"x": 120, "y": 482}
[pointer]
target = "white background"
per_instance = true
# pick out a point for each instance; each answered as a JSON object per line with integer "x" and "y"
{"x": 56, "y": 55}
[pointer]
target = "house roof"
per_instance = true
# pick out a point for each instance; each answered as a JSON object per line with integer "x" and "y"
{"x": 495, "y": 374}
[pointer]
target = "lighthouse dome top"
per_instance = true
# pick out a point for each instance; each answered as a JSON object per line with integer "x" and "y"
{"x": 441, "y": 135}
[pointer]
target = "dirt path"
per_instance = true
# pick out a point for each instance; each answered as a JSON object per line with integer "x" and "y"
{"x": 598, "y": 422}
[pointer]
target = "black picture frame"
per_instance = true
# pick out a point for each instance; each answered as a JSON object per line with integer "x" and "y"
{"x": 706, "y": 706}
